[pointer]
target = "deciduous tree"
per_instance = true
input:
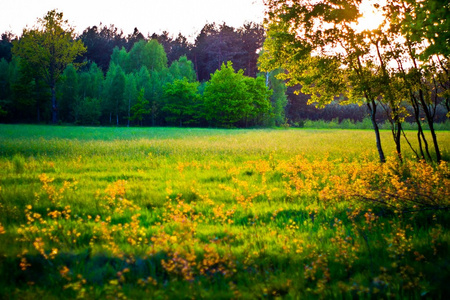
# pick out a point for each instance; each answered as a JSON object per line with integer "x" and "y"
{"x": 140, "y": 109}
{"x": 181, "y": 101}
{"x": 47, "y": 49}
{"x": 319, "y": 45}
{"x": 232, "y": 99}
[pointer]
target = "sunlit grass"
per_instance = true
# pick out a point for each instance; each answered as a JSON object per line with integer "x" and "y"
{"x": 170, "y": 213}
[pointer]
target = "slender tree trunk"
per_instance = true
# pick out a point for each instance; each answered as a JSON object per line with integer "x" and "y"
{"x": 373, "y": 109}
{"x": 395, "y": 123}
{"x": 425, "y": 107}
{"x": 409, "y": 144}
{"x": 430, "y": 122}
{"x": 435, "y": 143}
{"x": 396, "y": 128}
{"x": 416, "y": 106}
{"x": 398, "y": 139}
{"x": 419, "y": 126}
{"x": 425, "y": 142}
{"x": 420, "y": 134}
{"x": 54, "y": 106}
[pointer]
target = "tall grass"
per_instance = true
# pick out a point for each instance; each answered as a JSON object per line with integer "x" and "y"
{"x": 203, "y": 213}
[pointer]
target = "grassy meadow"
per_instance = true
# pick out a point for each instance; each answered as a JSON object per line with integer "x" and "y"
{"x": 169, "y": 213}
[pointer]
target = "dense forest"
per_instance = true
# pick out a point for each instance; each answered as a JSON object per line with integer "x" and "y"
{"x": 158, "y": 80}
{"x": 161, "y": 80}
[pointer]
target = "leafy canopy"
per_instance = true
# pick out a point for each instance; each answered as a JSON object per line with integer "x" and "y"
{"x": 49, "y": 47}
{"x": 181, "y": 100}
{"x": 231, "y": 98}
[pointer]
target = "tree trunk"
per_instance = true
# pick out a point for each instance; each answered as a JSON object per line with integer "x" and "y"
{"x": 395, "y": 123}
{"x": 373, "y": 110}
{"x": 430, "y": 122}
{"x": 435, "y": 143}
{"x": 396, "y": 126}
{"x": 420, "y": 134}
{"x": 425, "y": 107}
{"x": 54, "y": 106}
{"x": 398, "y": 140}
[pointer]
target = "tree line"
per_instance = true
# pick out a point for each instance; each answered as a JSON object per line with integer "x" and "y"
{"x": 105, "y": 77}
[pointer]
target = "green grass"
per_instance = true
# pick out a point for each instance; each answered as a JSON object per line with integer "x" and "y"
{"x": 209, "y": 213}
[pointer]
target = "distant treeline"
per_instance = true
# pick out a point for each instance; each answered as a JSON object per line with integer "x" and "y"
{"x": 156, "y": 80}
{"x": 106, "y": 89}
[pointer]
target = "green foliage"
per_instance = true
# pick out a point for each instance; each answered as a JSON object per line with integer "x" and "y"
{"x": 30, "y": 96}
{"x": 149, "y": 54}
{"x": 143, "y": 81}
{"x": 157, "y": 57}
{"x": 121, "y": 58}
{"x": 130, "y": 93}
{"x": 278, "y": 99}
{"x": 5, "y": 89}
{"x": 47, "y": 49}
{"x": 4, "y": 79}
{"x": 232, "y": 99}
{"x": 183, "y": 68}
{"x": 114, "y": 88}
{"x": 181, "y": 102}
{"x": 326, "y": 55}
{"x": 258, "y": 95}
{"x": 430, "y": 21}
{"x": 21, "y": 88}
{"x": 91, "y": 82}
{"x": 75, "y": 86}
{"x": 68, "y": 92}
{"x": 140, "y": 109}
{"x": 87, "y": 111}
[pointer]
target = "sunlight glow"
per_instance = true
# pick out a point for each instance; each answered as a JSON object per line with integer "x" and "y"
{"x": 372, "y": 16}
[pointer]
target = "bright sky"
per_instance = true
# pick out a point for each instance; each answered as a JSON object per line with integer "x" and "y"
{"x": 372, "y": 17}
{"x": 149, "y": 16}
